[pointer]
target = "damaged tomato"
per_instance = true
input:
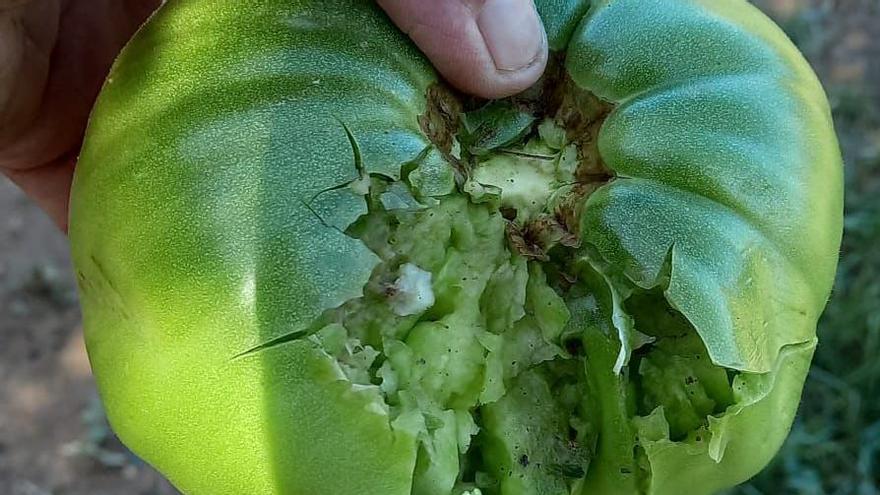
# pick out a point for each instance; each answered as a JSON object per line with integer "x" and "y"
{"x": 307, "y": 266}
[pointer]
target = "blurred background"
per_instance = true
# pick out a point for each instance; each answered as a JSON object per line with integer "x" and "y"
{"x": 54, "y": 439}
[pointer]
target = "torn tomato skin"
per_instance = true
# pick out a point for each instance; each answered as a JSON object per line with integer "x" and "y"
{"x": 193, "y": 245}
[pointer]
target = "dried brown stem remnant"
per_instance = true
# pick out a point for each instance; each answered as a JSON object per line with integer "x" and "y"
{"x": 555, "y": 96}
{"x": 441, "y": 119}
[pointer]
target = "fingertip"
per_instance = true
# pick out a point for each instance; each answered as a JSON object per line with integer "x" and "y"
{"x": 49, "y": 187}
{"x": 488, "y": 48}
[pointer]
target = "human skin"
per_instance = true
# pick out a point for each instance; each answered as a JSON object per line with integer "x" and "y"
{"x": 55, "y": 54}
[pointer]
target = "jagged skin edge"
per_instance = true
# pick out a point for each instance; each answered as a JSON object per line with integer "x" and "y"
{"x": 236, "y": 278}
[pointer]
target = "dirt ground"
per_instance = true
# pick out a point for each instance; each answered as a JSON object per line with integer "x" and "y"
{"x": 53, "y": 438}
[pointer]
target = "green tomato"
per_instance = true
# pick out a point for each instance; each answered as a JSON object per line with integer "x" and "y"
{"x": 307, "y": 266}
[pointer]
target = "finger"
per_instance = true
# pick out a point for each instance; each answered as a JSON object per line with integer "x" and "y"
{"x": 489, "y": 48}
{"x": 28, "y": 32}
{"x": 48, "y": 186}
{"x": 38, "y": 147}
{"x": 89, "y": 35}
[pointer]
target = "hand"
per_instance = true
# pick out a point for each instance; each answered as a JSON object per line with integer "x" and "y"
{"x": 55, "y": 54}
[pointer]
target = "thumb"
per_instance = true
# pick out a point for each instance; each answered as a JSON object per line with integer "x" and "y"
{"x": 489, "y": 48}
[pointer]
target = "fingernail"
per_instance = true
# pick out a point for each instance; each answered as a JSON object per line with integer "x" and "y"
{"x": 513, "y": 33}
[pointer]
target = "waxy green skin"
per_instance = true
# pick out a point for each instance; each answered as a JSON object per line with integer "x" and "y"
{"x": 193, "y": 244}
